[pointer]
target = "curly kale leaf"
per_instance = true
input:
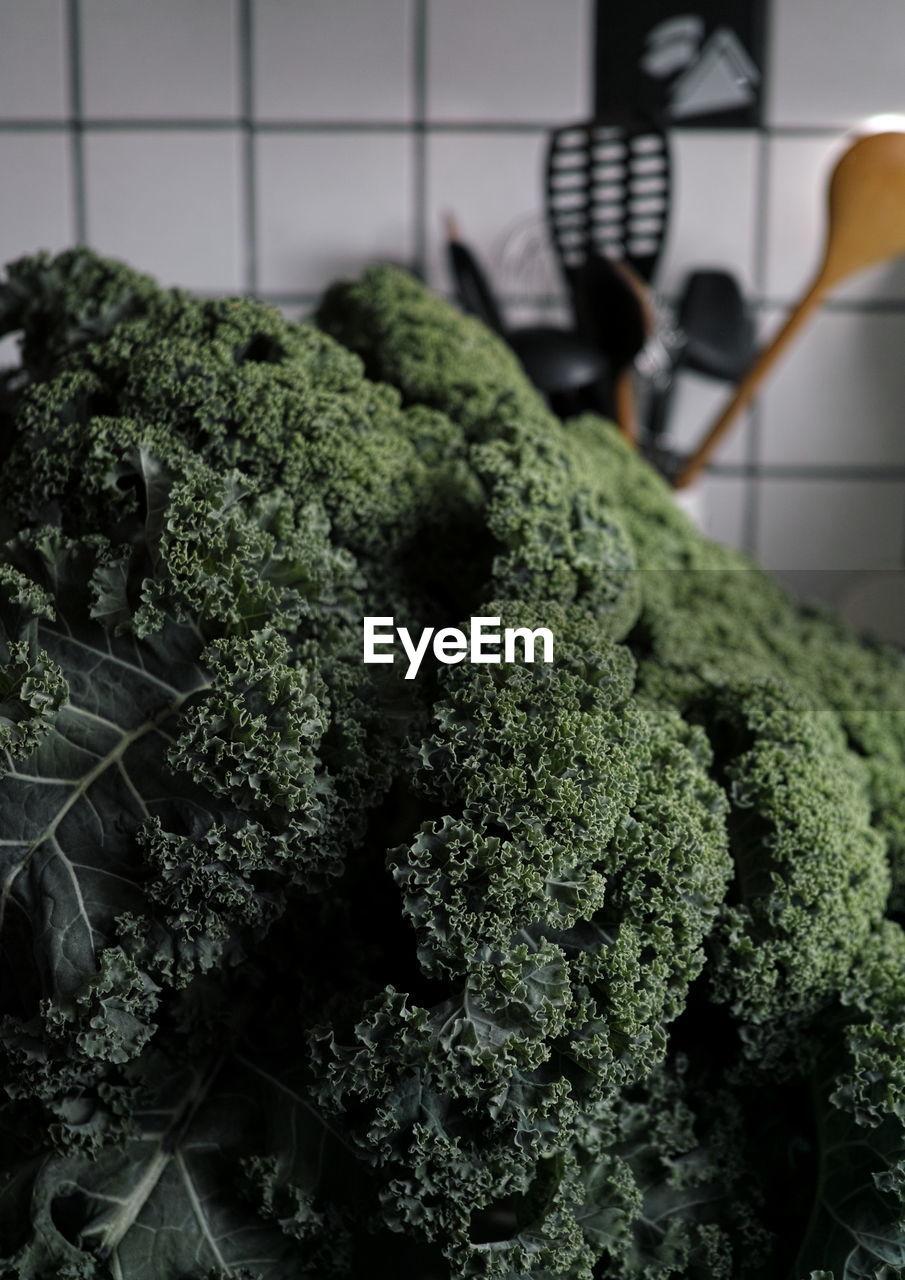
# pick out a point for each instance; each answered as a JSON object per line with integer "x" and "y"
{"x": 518, "y": 972}
{"x": 811, "y": 879}
{"x": 32, "y": 687}
{"x": 555, "y": 539}
{"x": 227, "y": 1169}
{"x": 856, "y": 1226}
{"x": 560, "y": 898}
{"x": 69, "y": 809}
{"x": 164, "y": 808}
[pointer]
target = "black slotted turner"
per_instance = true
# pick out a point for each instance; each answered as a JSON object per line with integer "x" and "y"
{"x": 608, "y": 191}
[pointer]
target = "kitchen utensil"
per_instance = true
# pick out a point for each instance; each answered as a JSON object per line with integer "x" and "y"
{"x": 714, "y": 336}
{"x": 608, "y": 191}
{"x": 866, "y": 225}
{"x": 558, "y": 361}
{"x": 613, "y": 309}
{"x": 473, "y": 291}
{"x": 718, "y": 325}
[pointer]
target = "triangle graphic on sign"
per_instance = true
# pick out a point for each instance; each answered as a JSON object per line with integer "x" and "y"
{"x": 722, "y": 79}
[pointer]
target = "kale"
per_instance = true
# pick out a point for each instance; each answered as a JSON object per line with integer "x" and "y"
{"x": 587, "y": 969}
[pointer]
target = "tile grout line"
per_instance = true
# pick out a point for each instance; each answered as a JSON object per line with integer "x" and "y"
{"x": 838, "y": 306}
{"x": 220, "y": 124}
{"x": 753, "y": 495}
{"x": 419, "y": 90}
{"x": 245, "y": 18}
{"x": 139, "y": 123}
{"x": 76, "y": 124}
{"x": 842, "y": 473}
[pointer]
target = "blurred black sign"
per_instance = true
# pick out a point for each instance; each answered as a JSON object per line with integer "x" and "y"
{"x": 697, "y": 64}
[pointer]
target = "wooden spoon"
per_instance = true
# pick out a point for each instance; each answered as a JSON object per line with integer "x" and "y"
{"x": 866, "y": 226}
{"x": 624, "y": 406}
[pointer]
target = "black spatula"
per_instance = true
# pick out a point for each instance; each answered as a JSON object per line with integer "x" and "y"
{"x": 608, "y": 191}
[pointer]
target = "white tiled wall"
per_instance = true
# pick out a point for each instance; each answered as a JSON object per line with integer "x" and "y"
{"x": 147, "y": 61}
{"x": 724, "y": 502}
{"x": 830, "y": 524}
{"x": 169, "y": 201}
{"x": 330, "y": 202}
{"x": 269, "y": 145}
{"x": 38, "y": 204}
{"x": 509, "y": 60}
{"x": 713, "y": 215}
{"x": 334, "y": 60}
{"x": 833, "y": 62}
{"x": 491, "y": 181}
{"x": 839, "y": 399}
{"x": 34, "y": 68}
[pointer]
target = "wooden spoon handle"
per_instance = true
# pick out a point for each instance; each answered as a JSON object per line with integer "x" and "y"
{"x": 624, "y": 405}
{"x": 747, "y": 388}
